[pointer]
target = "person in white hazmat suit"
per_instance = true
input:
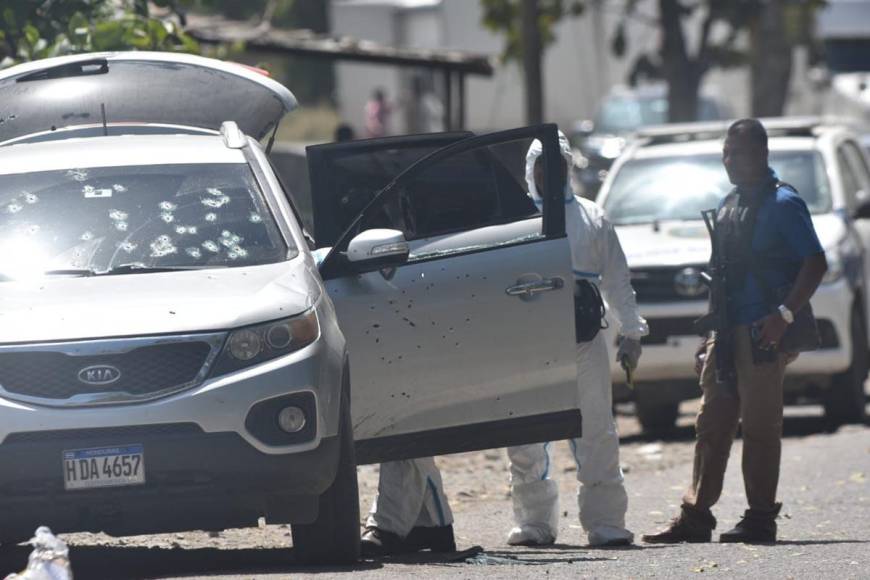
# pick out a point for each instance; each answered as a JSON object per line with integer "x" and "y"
{"x": 597, "y": 257}
{"x": 411, "y": 512}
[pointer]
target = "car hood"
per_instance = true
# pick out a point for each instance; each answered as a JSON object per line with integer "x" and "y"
{"x": 66, "y": 308}
{"x": 677, "y": 243}
{"x": 138, "y": 87}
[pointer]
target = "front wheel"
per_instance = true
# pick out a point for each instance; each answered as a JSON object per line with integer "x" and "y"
{"x": 334, "y": 537}
{"x": 657, "y": 416}
{"x": 845, "y": 401}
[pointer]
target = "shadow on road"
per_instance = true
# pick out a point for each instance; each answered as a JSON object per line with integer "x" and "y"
{"x": 818, "y": 542}
{"x": 109, "y": 562}
{"x": 536, "y": 557}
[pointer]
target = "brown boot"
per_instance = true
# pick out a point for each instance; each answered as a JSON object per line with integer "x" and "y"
{"x": 755, "y": 527}
{"x": 690, "y": 526}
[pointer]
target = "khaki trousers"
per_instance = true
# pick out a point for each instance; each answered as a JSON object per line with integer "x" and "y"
{"x": 757, "y": 405}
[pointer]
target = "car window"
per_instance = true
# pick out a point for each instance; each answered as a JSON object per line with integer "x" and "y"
{"x": 471, "y": 190}
{"x": 196, "y": 215}
{"x": 680, "y": 187}
{"x": 860, "y": 171}
{"x": 352, "y": 181}
{"x": 851, "y": 186}
{"x": 625, "y": 114}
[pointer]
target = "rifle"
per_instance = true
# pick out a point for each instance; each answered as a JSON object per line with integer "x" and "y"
{"x": 716, "y": 320}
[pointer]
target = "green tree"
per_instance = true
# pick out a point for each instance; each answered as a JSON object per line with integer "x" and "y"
{"x": 528, "y": 29}
{"x": 313, "y": 80}
{"x": 31, "y": 29}
{"x": 775, "y": 27}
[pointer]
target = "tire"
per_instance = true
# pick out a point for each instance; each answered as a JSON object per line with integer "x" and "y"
{"x": 656, "y": 416}
{"x": 845, "y": 401}
{"x": 335, "y": 537}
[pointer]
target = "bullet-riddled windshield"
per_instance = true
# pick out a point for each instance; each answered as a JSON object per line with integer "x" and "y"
{"x": 135, "y": 218}
{"x": 680, "y": 188}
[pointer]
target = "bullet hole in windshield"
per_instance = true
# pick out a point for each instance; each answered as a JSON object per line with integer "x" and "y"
{"x": 255, "y": 218}
{"x": 216, "y": 202}
{"x": 162, "y": 246}
{"x": 77, "y": 174}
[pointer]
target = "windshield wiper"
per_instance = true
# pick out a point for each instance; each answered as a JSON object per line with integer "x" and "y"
{"x": 141, "y": 269}
{"x": 69, "y": 272}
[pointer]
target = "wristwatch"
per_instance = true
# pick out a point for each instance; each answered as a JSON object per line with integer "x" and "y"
{"x": 785, "y": 313}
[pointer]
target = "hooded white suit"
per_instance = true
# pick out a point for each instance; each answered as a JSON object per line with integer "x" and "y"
{"x": 597, "y": 256}
{"x": 410, "y": 492}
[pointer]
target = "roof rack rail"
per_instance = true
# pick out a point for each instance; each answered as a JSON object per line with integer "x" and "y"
{"x": 703, "y": 131}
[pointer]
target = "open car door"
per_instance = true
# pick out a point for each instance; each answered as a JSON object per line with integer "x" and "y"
{"x": 467, "y": 340}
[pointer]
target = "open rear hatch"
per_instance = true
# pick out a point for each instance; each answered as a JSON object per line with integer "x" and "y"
{"x": 138, "y": 87}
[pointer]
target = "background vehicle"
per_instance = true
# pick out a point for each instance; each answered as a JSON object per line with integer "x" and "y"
{"x": 172, "y": 358}
{"x": 598, "y": 143}
{"x": 654, "y": 195}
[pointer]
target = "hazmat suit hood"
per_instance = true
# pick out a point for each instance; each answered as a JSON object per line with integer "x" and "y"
{"x": 535, "y": 151}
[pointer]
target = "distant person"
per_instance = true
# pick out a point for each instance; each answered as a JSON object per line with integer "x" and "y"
{"x": 344, "y": 132}
{"x": 425, "y": 109}
{"x": 377, "y": 113}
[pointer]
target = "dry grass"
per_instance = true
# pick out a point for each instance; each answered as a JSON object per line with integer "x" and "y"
{"x": 309, "y": 123}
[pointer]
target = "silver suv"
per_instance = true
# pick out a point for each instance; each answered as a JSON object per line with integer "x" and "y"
{"x": 172, "y": 355}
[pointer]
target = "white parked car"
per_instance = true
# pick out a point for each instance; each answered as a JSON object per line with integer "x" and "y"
{"x": 172, "y": 358}
{"x": 654, "y": 196}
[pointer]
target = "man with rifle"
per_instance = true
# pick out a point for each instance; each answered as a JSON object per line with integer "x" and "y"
{"x": 766, "y": 264}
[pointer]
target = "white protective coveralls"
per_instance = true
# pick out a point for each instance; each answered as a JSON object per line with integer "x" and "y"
{"x": 597, "y": 256}
{"x": 410, "y": 494}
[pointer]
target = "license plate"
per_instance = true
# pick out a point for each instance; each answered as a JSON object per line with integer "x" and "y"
{"x": 104, "y": 467}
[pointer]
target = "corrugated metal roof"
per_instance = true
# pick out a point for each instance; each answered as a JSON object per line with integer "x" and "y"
{"x": 216, "y": 29}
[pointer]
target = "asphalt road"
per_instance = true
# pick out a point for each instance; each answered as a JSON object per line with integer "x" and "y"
{"x": 824, "y": 526}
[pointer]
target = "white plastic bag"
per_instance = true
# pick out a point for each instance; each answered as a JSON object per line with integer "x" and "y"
{"x": 49, "y": 559}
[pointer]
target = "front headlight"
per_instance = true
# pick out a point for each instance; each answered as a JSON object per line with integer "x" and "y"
{"x": 835, "y": 268}
{"x": 252, "y": 345}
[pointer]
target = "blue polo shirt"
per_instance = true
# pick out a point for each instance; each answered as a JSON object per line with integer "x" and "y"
{"x": 784, "y": 236}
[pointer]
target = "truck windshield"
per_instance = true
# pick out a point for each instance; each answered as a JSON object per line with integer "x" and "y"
{"x": 681, "y": 187}
{"x": 143, "y": 218}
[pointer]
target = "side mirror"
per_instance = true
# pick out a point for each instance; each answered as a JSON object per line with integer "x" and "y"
{"x": 863, "y": 210}
{"x": 377, "y": 249}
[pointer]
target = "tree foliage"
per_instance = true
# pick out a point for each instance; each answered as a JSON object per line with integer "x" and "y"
{"x": 504, "y": 17}
{"x": 34, "y": 29}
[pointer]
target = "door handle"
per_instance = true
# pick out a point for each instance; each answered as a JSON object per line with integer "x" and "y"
{"x": 529, "y": 289}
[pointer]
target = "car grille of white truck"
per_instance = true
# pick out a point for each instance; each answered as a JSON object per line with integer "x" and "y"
{"x": 668, "y": 284}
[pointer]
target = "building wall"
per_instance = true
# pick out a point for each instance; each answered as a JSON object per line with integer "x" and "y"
{"x": 578, "y": 67}
{"x": 355, "y": 82}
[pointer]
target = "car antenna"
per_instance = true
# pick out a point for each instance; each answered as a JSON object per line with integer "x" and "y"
{"x": 103, "y": 112}
{"x": 272, "y": 138}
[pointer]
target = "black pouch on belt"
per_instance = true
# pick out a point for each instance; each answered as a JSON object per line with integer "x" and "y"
{"x": 588, "y": 310}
